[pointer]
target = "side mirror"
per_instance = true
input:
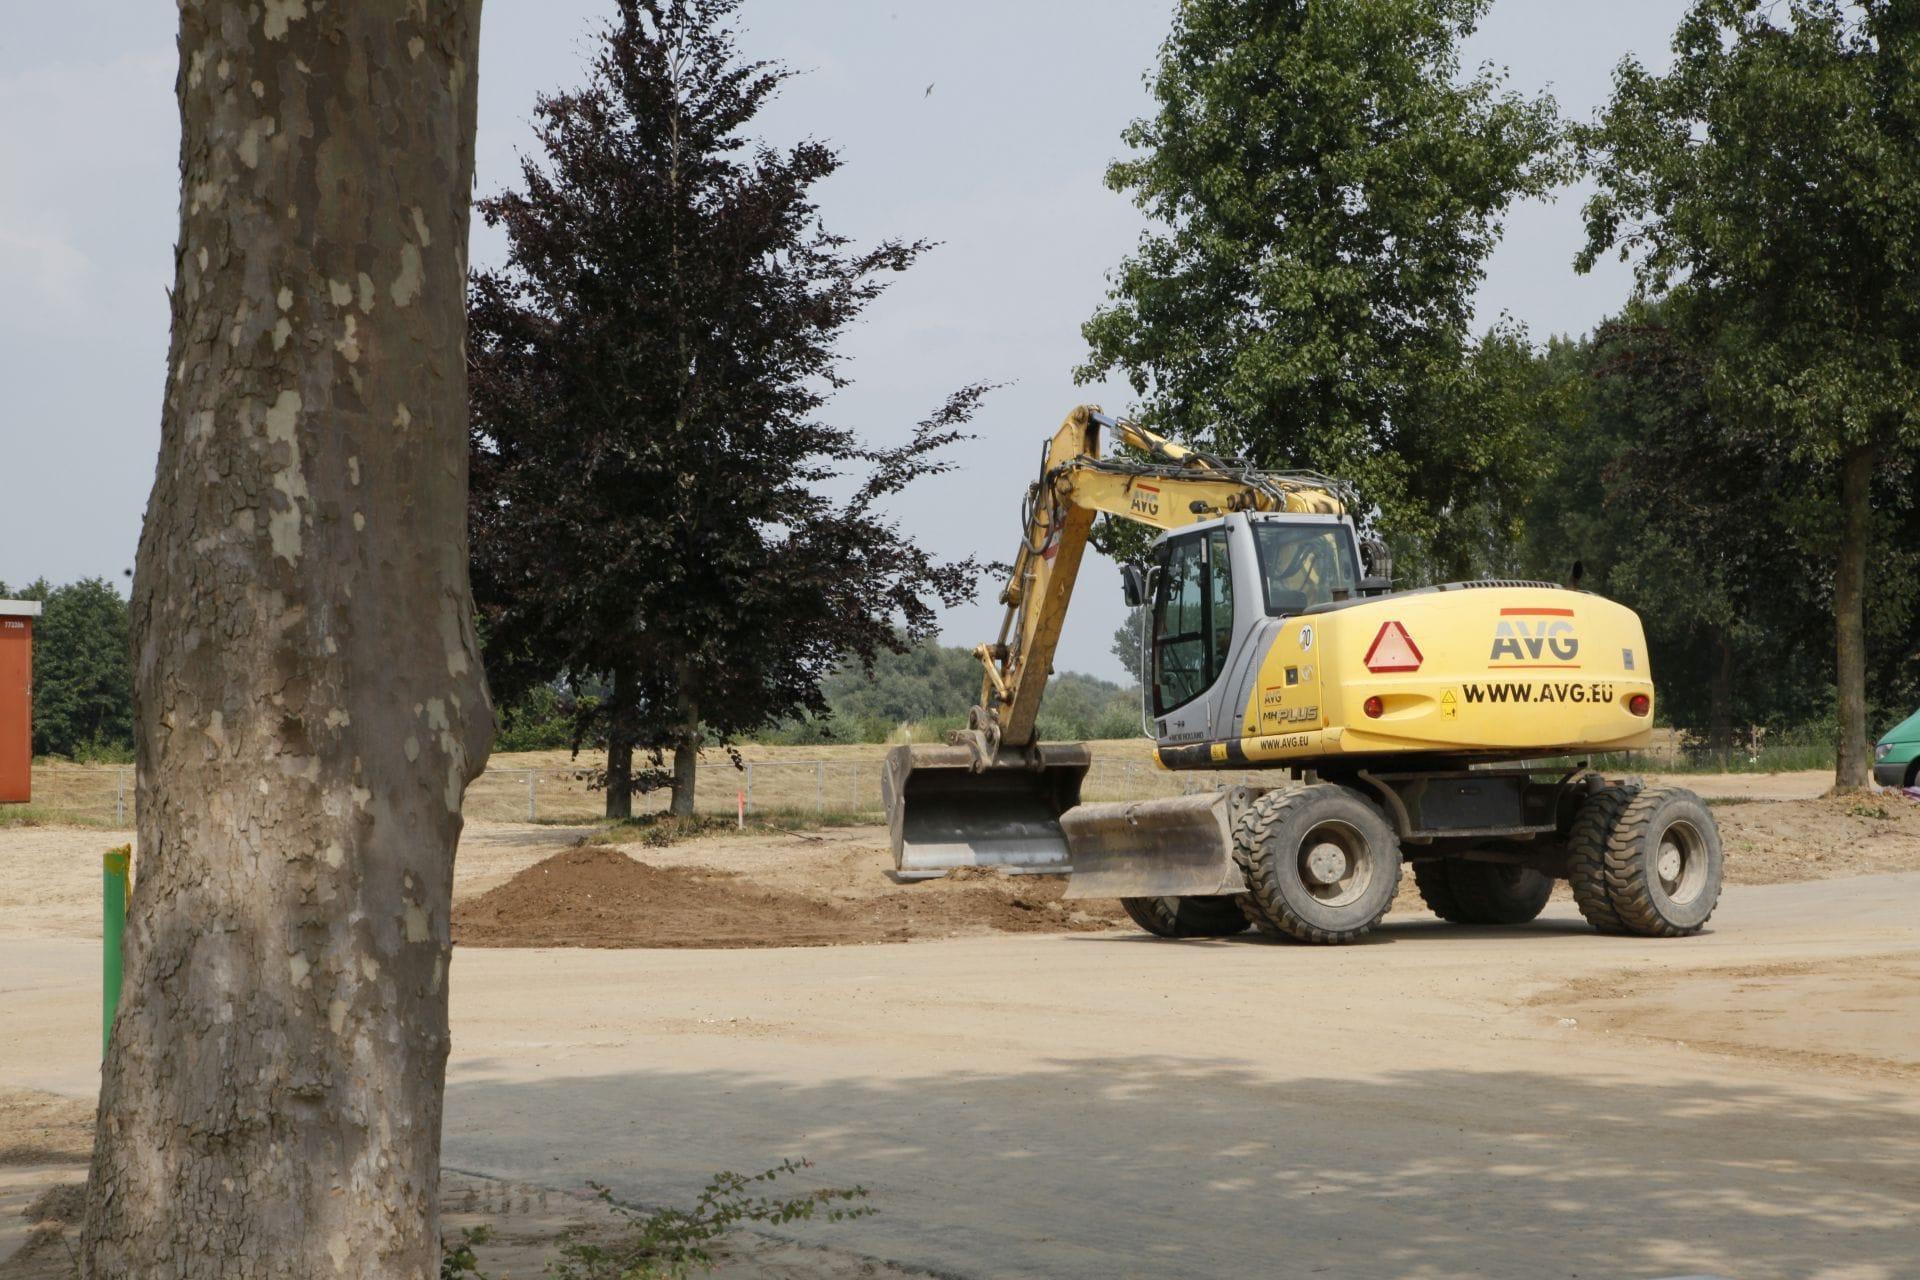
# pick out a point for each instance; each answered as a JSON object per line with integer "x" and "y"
{"x": 1133, "y": 585}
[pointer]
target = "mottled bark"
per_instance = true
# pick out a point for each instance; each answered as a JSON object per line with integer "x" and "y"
{"x": 308, "y": 698}
{"x": 1850, "y": 622}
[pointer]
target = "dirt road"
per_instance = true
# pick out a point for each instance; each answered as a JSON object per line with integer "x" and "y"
{"x": 1438, "y": 1103}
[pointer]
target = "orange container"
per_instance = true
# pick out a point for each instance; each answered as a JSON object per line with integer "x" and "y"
{"x": 16, "y": 700}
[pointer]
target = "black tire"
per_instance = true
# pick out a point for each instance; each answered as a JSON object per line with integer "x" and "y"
{"x": 1200, "y": 917}
{"x": 1284, "y": 837}
{"x": 1663, "y": 864}
{"x": 1587, "y": 854}
{"x": 1481, "y": 892}
{"x": 1436, "y": 890}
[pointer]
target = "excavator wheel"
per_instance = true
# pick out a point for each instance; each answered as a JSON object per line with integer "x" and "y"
{"x": 1321, "y": 863}
{"x": 1217, "y": 916}
{"x": 1587, "y": 854}
{"x": 1466, "y": 892}
{"x": 1663, "y": 863}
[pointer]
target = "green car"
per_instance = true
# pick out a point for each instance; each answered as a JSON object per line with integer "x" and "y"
{"x": 1896, "y": 760}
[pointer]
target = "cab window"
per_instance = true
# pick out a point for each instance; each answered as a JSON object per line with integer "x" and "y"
{"x": 1302, "y": 564}
{"x": 1192, "y": 618}
{"x": 1219, "y": 604}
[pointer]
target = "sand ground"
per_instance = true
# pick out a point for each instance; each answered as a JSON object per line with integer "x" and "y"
{"x": 1437, "y": 1103}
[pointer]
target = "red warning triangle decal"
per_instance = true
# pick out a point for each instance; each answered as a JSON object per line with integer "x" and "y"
{"x": 1393, "y": 650}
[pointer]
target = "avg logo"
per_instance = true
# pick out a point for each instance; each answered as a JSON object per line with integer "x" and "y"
{"x": 1535, "y": 638}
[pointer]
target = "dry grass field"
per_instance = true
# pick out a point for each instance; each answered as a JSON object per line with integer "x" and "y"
{"x": 548, "y": 786}
{"x": 839, "y": 781}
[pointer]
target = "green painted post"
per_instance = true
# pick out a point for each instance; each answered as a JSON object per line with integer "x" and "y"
{"x": 115, "y": 866}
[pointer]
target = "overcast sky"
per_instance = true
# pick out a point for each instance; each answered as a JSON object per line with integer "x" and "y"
{"x": 1001, "y": 163}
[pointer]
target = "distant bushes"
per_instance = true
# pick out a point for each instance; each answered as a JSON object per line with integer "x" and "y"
{"x": 923, "y": 695}
{"x": 541, "y": 721}
{"x": 82, "y": 672}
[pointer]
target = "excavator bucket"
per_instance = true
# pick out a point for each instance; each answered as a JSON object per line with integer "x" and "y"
{"x": 943, "y": 812}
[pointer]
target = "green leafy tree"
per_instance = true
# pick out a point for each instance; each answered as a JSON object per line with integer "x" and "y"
{"x": 1126, "y": 644}
{"x": 1769, "y": 186}
{"x": 648, "y": 370}
{"x": 931, "y": 686}
{"x": 1653, "y": 493}
{"x": 82, "y": 674}
{"x": 1327, "y": 187}
{"x": 1719, "y": 541}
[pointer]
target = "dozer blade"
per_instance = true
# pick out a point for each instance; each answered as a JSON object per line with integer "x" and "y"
{"x": 1179, "y": 846}
{"x": 944, "y": 813}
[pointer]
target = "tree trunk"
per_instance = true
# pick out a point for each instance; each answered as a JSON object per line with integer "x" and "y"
{"x": 1720, "y": 699}
{"x": 619, "y": 784}
{"x": 308, "y": 698}
{"x": 686, "y": 752}
{"x": 619, "y": 779}
{"x": 1849, "y": 618}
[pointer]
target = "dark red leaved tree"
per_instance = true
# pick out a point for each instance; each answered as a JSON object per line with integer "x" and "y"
{"x": 648, "y": 368}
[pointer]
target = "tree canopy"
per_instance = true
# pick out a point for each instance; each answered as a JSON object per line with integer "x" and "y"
{"x": 1654, "y": 492}
{"x": 82, "y": 673}
{"x": 1768, "y": 187}
{"x": 1326, "y": 187}
{"x": 650, "y": 367}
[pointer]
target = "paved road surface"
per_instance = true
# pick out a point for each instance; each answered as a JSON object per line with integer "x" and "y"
{"x": 1107, "y": 1105}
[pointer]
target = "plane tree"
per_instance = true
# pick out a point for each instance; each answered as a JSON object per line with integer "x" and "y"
{"x": 308, "y": 702}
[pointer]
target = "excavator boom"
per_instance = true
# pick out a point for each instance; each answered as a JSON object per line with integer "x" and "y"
{"x": 994, "y": 796}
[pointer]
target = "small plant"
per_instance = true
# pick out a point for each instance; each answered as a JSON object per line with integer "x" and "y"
{"x": 457, "y": 1257}
{"x": 1867, "y": 809}
{"x": 669, "y": 1244}
{"x": 658, "y": 830}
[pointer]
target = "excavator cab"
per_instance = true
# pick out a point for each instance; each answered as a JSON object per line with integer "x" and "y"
{"x": 1219, "y": 593}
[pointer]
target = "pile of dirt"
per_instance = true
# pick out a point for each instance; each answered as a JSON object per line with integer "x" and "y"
{"x": 1775, "y": 842}
{"x": 596, "y": 896}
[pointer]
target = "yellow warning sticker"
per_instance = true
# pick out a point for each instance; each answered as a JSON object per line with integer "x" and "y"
{"x": 1448, "y": 709}
{"x": 1219, "y": 751}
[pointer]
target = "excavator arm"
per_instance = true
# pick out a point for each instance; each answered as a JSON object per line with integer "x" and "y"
{"x": 1166, "y": 486}
{"x": 993, "y": 796}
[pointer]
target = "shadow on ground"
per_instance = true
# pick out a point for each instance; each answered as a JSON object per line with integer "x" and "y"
{"x": 1172, "y": 1166}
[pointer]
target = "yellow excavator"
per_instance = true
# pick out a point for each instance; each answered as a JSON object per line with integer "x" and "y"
{"x": 1421, "y": 725}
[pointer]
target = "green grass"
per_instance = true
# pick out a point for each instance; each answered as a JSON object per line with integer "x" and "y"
{"x": 1784, "y": 758}
{"x": 41, "y": 815}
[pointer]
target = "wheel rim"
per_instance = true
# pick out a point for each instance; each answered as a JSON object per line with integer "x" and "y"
{"x": 1680, "y": 862}
{"x": 1333, "y": 864}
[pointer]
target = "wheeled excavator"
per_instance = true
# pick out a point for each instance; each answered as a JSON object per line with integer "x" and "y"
{"x": 1446, "y": 726}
